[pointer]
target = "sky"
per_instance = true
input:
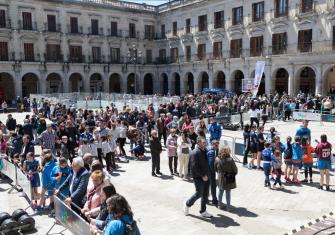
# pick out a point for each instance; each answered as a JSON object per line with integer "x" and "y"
{"x": 150, "y": 2}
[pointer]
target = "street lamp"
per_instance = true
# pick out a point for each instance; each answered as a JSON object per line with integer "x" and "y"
{"x": 133, "y": 56}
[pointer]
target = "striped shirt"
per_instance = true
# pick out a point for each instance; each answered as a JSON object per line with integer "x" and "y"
{"x": 48, "y": 139}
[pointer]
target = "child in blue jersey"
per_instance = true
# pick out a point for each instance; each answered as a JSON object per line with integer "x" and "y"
{"x": 296, "y": 158}
{"x": 31, "y": 168}
{"x": 59, "y": 174}
{"x": 268, "y": 158}
{"x": 253, "y": 146}
{"x": 288, "y": 158}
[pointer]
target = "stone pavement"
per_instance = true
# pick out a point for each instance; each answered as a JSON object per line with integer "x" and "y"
{"x": 157, "y": 202}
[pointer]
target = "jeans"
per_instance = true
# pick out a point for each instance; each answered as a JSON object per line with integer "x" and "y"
{"x": 245, "y": 157}
{"x": 227, "y": 196}
{"x": 267, "y": 171}
{"x": 175, "y": 164}
{"x": 201, "y": 191}
{"x": 212, "y": 183}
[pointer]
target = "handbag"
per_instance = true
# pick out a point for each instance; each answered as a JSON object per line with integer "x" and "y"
{"x": 185, "y": 150}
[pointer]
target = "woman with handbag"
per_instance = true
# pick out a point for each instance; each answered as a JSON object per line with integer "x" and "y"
{"x": 227, "y": 170}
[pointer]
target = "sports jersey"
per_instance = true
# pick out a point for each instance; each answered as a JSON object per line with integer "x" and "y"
{"x": 323, "y": 151}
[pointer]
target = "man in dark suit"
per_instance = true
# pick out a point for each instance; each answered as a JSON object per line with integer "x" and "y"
{"x": 77, "y": 182}
{"x": 27, "y": 146}
{"x": 10, "y": 123}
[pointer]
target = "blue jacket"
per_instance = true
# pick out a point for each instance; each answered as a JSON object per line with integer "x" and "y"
{"x": 86, "y": 136}
{"x": 211, "y": 155}
{"x": 66, "y": 172}
{"x": 79, "y": 186}
{"x": 47, "y": 181}
{"x": 117, "y": 227}
{"x": 303, "y": 132}
{"x": 215, "y": 131}
{"x": 296, "y": 152}
{"x": 267, "y": 156}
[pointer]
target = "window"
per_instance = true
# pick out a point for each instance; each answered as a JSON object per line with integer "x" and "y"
{"x": 74, "y": 24}
{"x": 162, "y": 55}
{"x": 114, "y": 29}
{"x": 149, "y": 32}
{"x": 217, "y": 50}
{"x": 27, "y": 23}
{"x": 202, "y": 51}
{"x": 188, "y": 26}
{"x": 115, "y": 55}
{"x": 306, "y": 6}
{"x": 235, "y": 48}
{"x": 218, "y": 19}
{"x": 202, "y": 21}
{"x": 94, "y": 27}
{"x": 163, "y": 35}
{"x": 174, "y": 55}
{"x": 188, "y": 53}
{"x": 51, "y": 23}
{"x": 132, "y": 30}
{"x": 53, "y": 52}
{"x": 2, "y": 19}
{"x": 3, "y": 51}
{"x": 148, "y": 56}
{"x": 257, "y": 11}
{"x": 256, "y": 46}
{"x": 279, "y": 43}
{"x": 174, "y": 28}
{"x": 96, "y": 54}
{"x": 75, "y": 54}
{"x": 237, "y": 15}
{"x": 29, "y": 52}
{"x": 305, "y": 40}
{"x": 281, "y": 8}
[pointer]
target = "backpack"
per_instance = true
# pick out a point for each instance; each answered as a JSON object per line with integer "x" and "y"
{"x": 130, "y": 229}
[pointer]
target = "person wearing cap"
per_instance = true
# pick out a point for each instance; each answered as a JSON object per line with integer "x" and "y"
{"x": 215, "y": 130}
{"x": 211, "y": 153}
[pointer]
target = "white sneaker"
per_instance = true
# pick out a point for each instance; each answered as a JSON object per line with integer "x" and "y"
{"x": 186, "y": 209}
{"x": 205, "y": 214}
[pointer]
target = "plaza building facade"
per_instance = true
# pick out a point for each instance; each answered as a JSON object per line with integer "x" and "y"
{"x": 54, "y": 46}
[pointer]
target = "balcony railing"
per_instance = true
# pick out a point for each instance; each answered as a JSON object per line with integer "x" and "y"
{"x": 51, "y": 57}
{"x": 280, "y": 12}
{"x": 117, "y": 33}
{"x": 77, "y": 59}
{"x": 6, "y": 24}
{"x": 78, "y": 30}
{"x": 30, "y": 58}
{"x": 32, "y": 26}
{"x": 305, "y": 47}
{"x": 56, "y": 28}
{"x": 98, "y": 32}
{"x": 307, "y": 7}
{"x": 132, "y": 34}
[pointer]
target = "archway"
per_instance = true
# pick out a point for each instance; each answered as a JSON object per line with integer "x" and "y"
{"x": 176, "y": 84}
{"x": 76, "y": 82}
{"x": 237, "y": 78}
{"x": 96, "y": 83}
{"x": 165, "y": 83}
{"x": 148, "y": 84}
{"x": 131, "y": 83}
{"x": 220, "y": 80}
{"x": 307, "y": 80}
{"x": 114, "y": 83}
{"x": 203, "y": 81}
{"x": 29, "y": 84}
{"x": 54, "y": 83}
{"x": 261, "y": 88}
{"x": 281, "y": 81}
{"x": 190, "y": 83}
{"x": 329, "y": 84}
{"x": 7, "y": 88}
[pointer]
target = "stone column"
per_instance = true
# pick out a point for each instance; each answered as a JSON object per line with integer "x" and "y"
{"x": 18, "y": 84}
{"x": 268, "y": 79}
{"x": 318, "y": 79}
{"x": 86, "y": 82}
{"x": 182, "y": 85}
{"x": 171, "y": 84}
{"x": 123, "y": 83}
{"x": 139, "y": 83}
{"x": 211, "y": 82}
{"x": 291, "y": 86}
{"x": 43, "y": 84}
{"x": 105, "y": 79}
{"x": 65, "y": 81}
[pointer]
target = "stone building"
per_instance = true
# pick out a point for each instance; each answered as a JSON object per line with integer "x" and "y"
{"x": 49, "y": 46}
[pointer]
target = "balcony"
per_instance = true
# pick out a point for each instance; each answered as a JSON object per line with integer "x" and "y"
{"x": 307, "y": 10}
{"x": 74, "y": 30}
{"x": 53, "y": 57}
{"x": 117, "y": 33}
{"x": 305, "y": 47}
{"x": 7, "y": 57}
{"x": 160, "y": 36}
{"x": 30, "y": 58}
{"x": 135, "y": 35}
{"x": 95, "y": 32}
{"x": 6, "y": 24}
{"x": 52, "y": 28}
{"x": 277, "y": 49}
{"x": 27, "y": 26}
{"x": 76, "y": 59}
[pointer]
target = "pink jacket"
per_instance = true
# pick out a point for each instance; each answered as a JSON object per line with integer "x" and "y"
{"x": 93, "y": 202}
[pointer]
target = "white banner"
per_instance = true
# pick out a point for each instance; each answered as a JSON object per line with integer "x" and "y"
{"x": 259, "y": 70}
{"x": 24, "y": 183}
{"x": 9, "y": 170}
{"x": 307, "y": 116}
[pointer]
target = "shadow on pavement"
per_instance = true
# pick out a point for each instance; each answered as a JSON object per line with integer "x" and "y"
{"x": 220, "y": 221}
{"x": 166, "y": 177}
{"x": 243, "y": 212}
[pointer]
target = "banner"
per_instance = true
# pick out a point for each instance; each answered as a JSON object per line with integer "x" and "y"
{"x": 328, "y": 118}
{"x": 9, "y": 170}
{"x": 306, "y": 116}
{"x": 70, "y": 220}
{"x": 259, "y": 70}
{"x": 24, "y": 183}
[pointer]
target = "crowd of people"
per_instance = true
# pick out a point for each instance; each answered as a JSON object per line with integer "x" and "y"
{"x": 82, "y": 148}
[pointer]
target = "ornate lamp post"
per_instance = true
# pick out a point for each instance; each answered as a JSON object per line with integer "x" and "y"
{"x": 133, "y": 56}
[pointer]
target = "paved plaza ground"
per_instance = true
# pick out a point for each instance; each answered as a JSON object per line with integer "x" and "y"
{"x": 157, "y": 202}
